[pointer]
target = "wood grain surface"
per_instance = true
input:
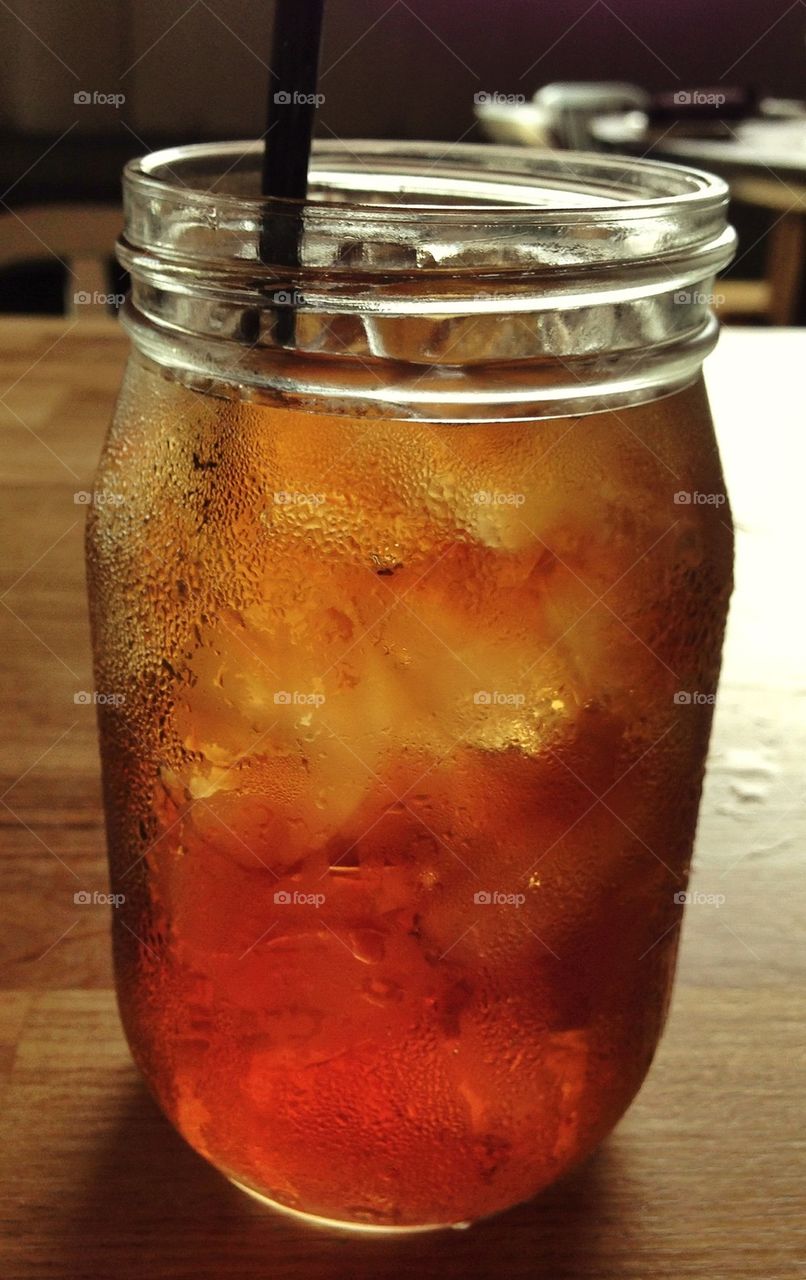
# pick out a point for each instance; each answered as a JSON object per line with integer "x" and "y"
{"x": 704, "y": 1178}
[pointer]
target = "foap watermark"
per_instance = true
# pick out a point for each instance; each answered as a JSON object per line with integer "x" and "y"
{"x": 497, "y": 898}
{"x": 484, "y": 99}
{"x": 294, "y": 898}
{"x": 83, "y": 298}
{"x": 494, "y": 498}
{"x": 693, "y": 498}
{"x": 290, "y": 498}
{"x": 693, "y": 698}
{"x": 296, "y": 698}
{"x": 97, "y": 498}
{"x": 87, "y": 698}
{"x": 693, "y": 898}
{"x": 699, "y": 98}
{"x": 296, "y": 99}
{"x": 694, "y": 298}
{"x": 288, "y": 298}
{"x": 497, "y": 698}
{"x": 83, "y": 898}
{"x": 95, "y": 98}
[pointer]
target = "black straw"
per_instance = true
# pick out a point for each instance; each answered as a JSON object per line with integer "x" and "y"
{"x": 291, "y": 110}
{"x": 292, "y": 97}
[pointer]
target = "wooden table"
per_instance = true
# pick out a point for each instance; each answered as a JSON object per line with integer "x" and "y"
{"x": 706, "y": 1175}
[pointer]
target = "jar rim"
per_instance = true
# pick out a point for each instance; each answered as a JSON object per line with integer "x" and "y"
{"x": 402, "y": 259}
{"x": 603, "y": 187}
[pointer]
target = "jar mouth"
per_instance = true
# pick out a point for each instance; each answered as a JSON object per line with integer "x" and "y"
{"x": 400, "y": 177}
{"x": 414, "y": 272}
{"x": 381, "y": 206}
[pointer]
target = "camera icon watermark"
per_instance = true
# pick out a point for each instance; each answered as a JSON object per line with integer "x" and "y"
{"x": 490, "y": 498}
{"x": 689, "y": 698}
{"x": 484, "y": 99}
{"x": 693, "y": 498}
{"x": 699, "y": 98}
{"x": 96, "y": 498}
{"x": 497, "y": 898}
{"x": 296, "y": 698}
{"x": 285, "y": 99}
{"x": 695, "y": 298}
{"x": 85, "y": 299}
{"x": 290, "y": 498}
{"x": 496, "y": 698}
{"x": 288, "y": 298}
{"x": 287, "y": 898}
{"x": 695, "y": 898}
{"x": 83, "y": 898}
{"x": 85, "y": 98}
{"x": 87, "y": 698}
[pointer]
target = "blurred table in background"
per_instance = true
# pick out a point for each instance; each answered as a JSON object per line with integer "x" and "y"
{"x": 703, "y": 1180}
{"x": 757, "y": 147}
{"x": 764, "y": 162}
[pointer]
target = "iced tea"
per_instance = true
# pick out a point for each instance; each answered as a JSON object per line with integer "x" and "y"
{"x": 404, "y": 783}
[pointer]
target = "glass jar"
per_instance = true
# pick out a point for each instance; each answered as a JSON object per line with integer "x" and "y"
{"x": 409, "y": 567}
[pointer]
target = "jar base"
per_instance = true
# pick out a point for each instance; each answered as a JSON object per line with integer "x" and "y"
{"x": 339, "y": 1224}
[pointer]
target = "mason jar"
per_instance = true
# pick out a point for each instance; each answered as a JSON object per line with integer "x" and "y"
{"x": 411, "y": 597}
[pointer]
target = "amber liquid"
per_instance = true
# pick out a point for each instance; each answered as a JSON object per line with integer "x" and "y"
{"x": 400, "y": 795}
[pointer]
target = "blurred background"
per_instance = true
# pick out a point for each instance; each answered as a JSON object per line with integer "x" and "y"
{"x": 87, "y": 84}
